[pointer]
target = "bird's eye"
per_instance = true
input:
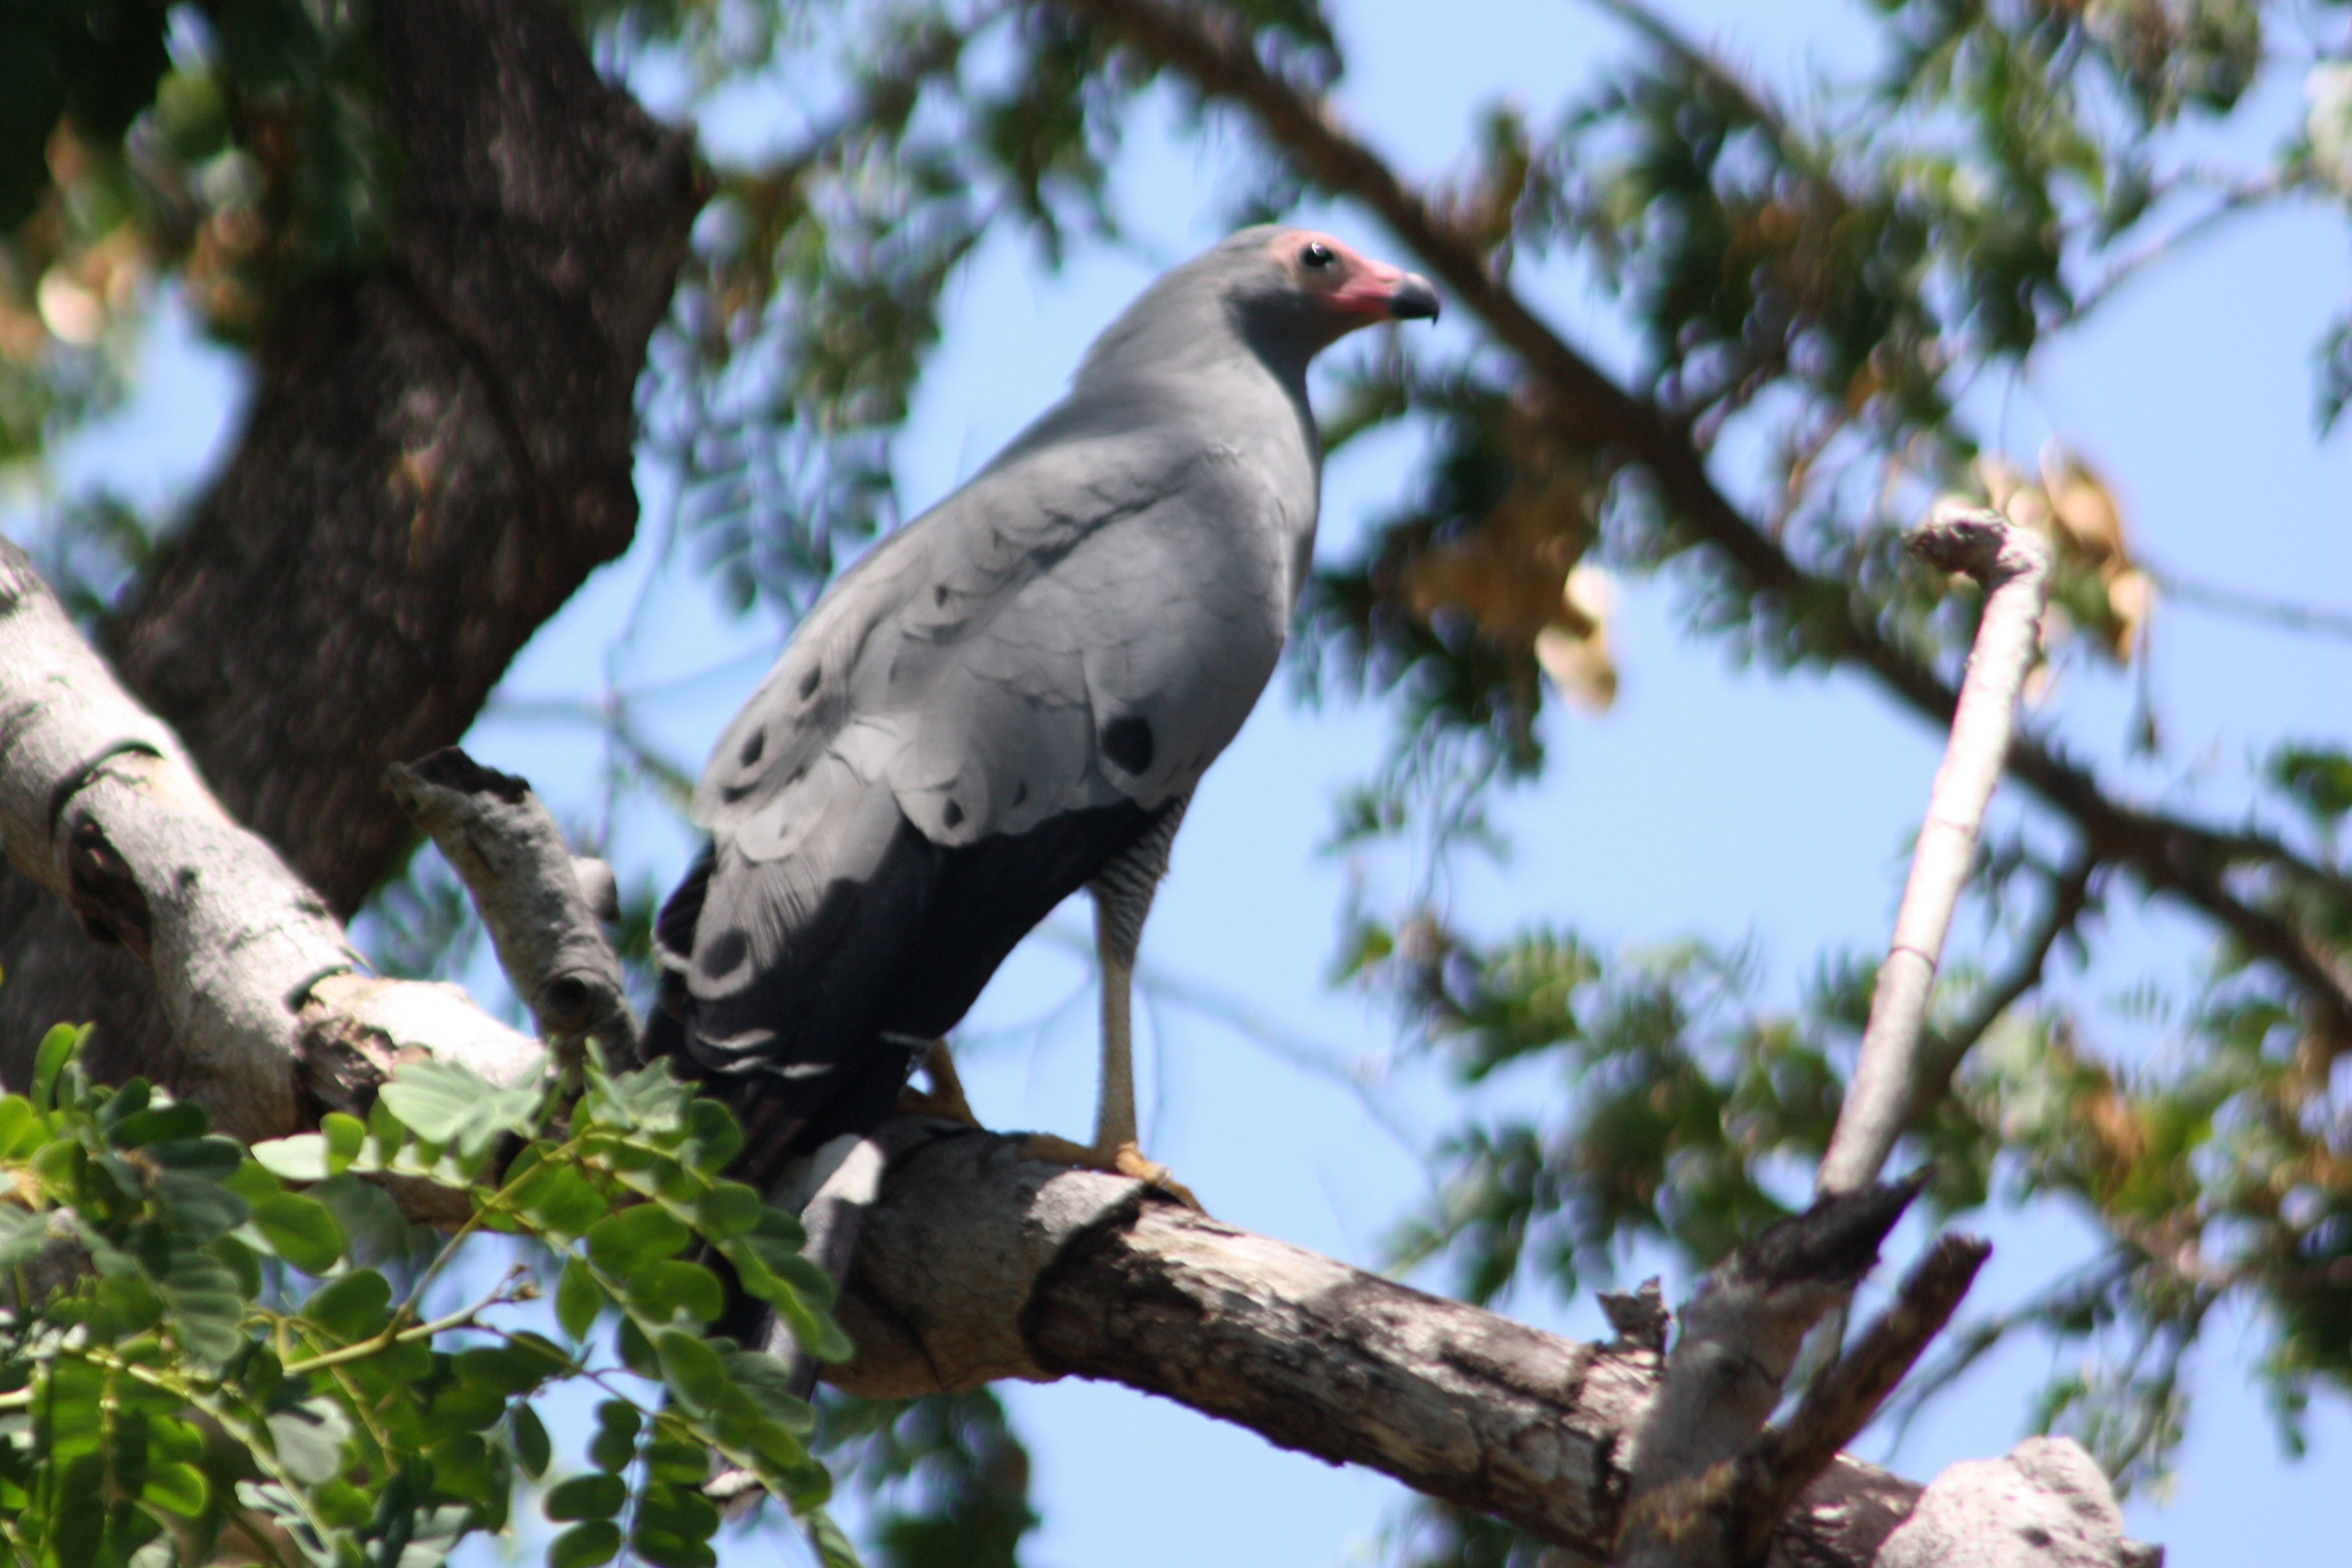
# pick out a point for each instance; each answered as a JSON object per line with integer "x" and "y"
{"x": 1315, "y": 254}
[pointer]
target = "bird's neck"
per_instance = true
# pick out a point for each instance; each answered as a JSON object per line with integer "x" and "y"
{"x": 1215, "y": 381}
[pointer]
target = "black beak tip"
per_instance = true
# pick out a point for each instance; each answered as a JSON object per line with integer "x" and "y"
{"x": 1415, "y": 300}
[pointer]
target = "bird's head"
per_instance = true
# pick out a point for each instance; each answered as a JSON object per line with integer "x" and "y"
{"x": 1286, "y": 294}
{"x": 1303, "y": 289}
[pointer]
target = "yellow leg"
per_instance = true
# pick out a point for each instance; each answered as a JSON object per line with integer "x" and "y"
{"x": 1115, "y": 1112}
{"x": 1115, "y": 1149}
{"x": 945, "y": 1099}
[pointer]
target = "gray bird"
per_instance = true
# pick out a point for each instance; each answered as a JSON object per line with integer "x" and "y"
{"x": 1009, "y": 699}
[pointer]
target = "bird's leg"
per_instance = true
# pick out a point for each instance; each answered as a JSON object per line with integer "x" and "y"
{"x": 1122, "y": 898}
{"x": 1114, "y": 1110}
{"x": 946, "y": 1100}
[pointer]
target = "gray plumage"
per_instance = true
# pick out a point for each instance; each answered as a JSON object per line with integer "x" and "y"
{"x": 1005, "y": 697}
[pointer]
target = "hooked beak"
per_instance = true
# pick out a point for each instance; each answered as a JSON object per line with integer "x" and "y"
{"x": 1413, "y": 299}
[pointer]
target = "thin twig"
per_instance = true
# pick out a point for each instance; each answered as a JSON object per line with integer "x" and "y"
{"x": 2239, "y": 198}
{"x": 2318, "y": 619}
{"x": 2014, "y": 565}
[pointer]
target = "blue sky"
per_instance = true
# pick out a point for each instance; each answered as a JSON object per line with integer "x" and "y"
{"x": 1712, "y": 800}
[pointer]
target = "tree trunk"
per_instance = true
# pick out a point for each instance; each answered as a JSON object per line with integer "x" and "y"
{"x": 439, "y": 453}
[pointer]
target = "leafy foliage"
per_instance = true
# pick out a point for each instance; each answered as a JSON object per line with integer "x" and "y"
{"x": 171, "y": 1380}
{"x": 1813, "y": 280}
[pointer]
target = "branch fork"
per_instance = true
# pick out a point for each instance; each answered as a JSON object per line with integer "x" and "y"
{"x": 1712, "y": 1478}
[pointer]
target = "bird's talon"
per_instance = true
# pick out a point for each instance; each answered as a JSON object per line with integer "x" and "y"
{"x": 945, "y": 1099}
{"x": 1130, "y": 1161}
{"x": 1125, "y": 1160}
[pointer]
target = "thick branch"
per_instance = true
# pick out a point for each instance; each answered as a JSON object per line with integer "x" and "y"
{"x": 100, "y": 805}
{"x": 2014, "y": 567}
{"x": 980, "y": 1264}
{"x": 438, "y": 452}
{"x": 1212, "y": 49}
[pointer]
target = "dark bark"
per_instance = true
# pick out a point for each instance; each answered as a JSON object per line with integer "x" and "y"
{"x": 438, "y": 454}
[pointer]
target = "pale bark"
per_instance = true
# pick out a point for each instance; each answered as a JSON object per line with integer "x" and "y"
{"x": 536, "y": 900}
{"x": 1885, "y": 1093}
{"x": 101, "y": 806}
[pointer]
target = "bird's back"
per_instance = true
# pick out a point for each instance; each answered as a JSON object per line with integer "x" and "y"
{"x": 983, "y": 713}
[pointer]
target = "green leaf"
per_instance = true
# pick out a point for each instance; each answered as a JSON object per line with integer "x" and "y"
{"x": 373, "y": 1225}
{"x": 21, "y": 1131}
{"x": 197, "y": 1209}
{"x": 436, "y": 1099}
{"x": 502, "y": 1368}
{"x": 768, "y": 1382}
{"x": 563, "y": 1202}
{"x": 586, "y": 1545}
{"x": 302, "y": 1157}
{"x": 444, "y": 1103}
{"x": 56, "y": 1049}
{"x": 677, "y": 1461}
{"x": 623, "y": 1243}
{"x": 578, "y": 1298}
{"x": 660, "y": 1292}
{"x": 250, "y": 1182}
{"x": 691, "y": 1369}
{"x": 213, "y": 1158}
{"x": 2319, "y": 778}
{"x": 353, "y": 1306}
{"x": 615, "y": 1443}
{"x": 459, "y": 1409}
{"x": 651, "y": 1098}
{"x": 728, "y": 1209}
{"x": 676, "y": 1510}
{"x": 206, "y": 1304}
{"x": 531, "y": 1448}
{"x": 635, "y": 1351}
{"x": 22, "y": 1234}
{"x": 301, "y": 1231}
{"x": 180, "y": 1119}
{"x": 717, "y": 1135}
{"x": 664, "y": 1549}
{"x": 309, "y": 1439}
{"x": 345, "y": 1136}
{"x": 179, "y": 1488}
{"x": 597, "y": 1496}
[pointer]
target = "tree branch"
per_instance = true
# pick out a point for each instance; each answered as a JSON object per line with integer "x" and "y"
{"x": 1211, "y": 49}
{"x": 543, "y": 920}
{"x": 99, "y": 804}
{"x": 979, "y": 1264}
{"x": 438, "y": 452}
{"x": 1941, "y": 1058}
{"x": 1843, "y": 1401}
{"x": 2014, "y": 567}
{"x": 975, "y": 1263}
{"x": 1741, "y": 1336}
